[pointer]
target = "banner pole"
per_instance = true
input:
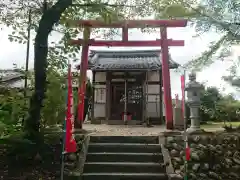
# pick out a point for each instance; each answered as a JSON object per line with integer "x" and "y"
{"x": 64, "y": 134}
{"x": 63, "y": 149}
{"x": 185, "y": 129}
{"x": 62, "y": 166}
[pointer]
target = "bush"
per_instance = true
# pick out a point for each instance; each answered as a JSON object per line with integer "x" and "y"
{"x": 12, "y": 111}
{"x": 228, "y": 110}
{"x": 217, "y": 107}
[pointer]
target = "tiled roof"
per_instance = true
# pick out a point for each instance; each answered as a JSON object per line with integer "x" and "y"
{"x": 12, "y": 78}
{"x": 8, "y": 75}
{"x": 127, "y": 60}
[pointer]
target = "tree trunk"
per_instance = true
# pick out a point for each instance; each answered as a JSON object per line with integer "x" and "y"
{"x": 49, "y": 18}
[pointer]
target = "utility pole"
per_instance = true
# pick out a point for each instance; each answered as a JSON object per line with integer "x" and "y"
{"x": 27, "y": 59}
{"x": 27, "y": 52}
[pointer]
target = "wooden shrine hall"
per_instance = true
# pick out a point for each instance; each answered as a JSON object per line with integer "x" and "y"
{"x": 127, "y": 81}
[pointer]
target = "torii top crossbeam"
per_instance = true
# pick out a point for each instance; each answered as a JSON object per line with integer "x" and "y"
{"x": 131, "y": 23}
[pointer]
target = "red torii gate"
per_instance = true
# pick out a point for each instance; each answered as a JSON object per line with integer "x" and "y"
{"x": 164, "y": 42}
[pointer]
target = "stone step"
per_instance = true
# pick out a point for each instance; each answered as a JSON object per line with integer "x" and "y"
{"x": 123, "y": 167}
{"x": 122, "y": 147}
{"x": 125, "y": 139}
{"x": 124, "y": 176}
{"x": 124, "y": 157}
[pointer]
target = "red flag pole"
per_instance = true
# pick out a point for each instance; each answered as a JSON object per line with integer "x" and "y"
{"x": 71, "y": 145}
{"x": 187, "y": 148}
{"x": 183, "y": 95}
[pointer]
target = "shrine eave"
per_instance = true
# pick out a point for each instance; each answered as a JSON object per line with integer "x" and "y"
{"x": 134, "y": 60}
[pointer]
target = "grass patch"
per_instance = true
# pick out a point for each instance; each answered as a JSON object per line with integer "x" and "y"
{"x": 217, "y": 125}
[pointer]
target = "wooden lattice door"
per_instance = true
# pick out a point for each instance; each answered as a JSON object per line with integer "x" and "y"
{"x": 117, "y": 101}
{"x": 134, "y": 100}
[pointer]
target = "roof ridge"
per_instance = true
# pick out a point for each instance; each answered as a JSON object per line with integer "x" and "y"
{"x": 127, "y": 59}
{"x": 125, "y": 51}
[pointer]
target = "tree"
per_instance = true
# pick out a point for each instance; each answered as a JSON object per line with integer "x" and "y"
{"x": 228, "y": 109}
{"x": 53, "y": 15}
{"x": 54, "y": 104}
{"x": 233, "y": 78}
{"x": 209, "y": 98}
{"x": 218, "y": 107}
{"x": 206, "y": 16}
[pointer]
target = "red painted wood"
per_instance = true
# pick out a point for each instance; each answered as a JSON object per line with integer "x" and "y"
{"x": 164, "y": 43}
{"x": 82, "y": 85}
{"x": 156, "y": 43}
{"x": 130, "y": 23}
{"x": 166, "y": 80}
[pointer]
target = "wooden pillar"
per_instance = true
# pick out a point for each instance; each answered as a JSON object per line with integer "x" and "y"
{"x": 93, "y": 94}
{"x": 108, "y": 96}
{"x": 83, "y": 77}
{"x": 160, "y": 97}
{"x": 166, "y": 80}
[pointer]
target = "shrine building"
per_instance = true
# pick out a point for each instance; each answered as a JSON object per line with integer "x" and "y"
{"x": 127, "y": 81}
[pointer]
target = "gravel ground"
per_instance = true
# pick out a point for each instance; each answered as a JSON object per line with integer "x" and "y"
{"x": 127, "y": 130}
{"x": 123, "y": 130}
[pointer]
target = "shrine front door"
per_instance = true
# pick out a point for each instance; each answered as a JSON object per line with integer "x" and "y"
{"x": 134, "y": 100}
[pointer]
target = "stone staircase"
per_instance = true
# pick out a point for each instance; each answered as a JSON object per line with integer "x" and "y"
{"x": 124, "y": 158}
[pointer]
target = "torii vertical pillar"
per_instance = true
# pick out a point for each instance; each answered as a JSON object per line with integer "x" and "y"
{"x": 83, "y": 77}
{"x": 166, "y": 80}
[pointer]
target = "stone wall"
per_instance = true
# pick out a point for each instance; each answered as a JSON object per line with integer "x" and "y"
{"x": 213, "y": 155}
{"x": 74, "y": 162}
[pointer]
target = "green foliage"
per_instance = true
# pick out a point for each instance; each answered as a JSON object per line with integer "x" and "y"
{"x": 12, "y": 110}
{"x": 209, "y": 98}
{"x": 233, "y": 78}
{"x": 228, "y": 109}
{"x": 13, "y": 104}
{"x": 221, "y": 17}
{"x": 217, "y": 107}
{"x": 53, "y": 111}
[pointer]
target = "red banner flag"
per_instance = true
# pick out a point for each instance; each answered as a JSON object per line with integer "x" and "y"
{"x": 70, "y": 143}
{"x": 188, "y": 153}
{"x": 183, "y": 95}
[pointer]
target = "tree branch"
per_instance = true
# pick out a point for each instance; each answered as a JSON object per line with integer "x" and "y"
{"x": 101, "y": 4}
{"x": 225, "y": 26}
{"x": 205, "y": 58}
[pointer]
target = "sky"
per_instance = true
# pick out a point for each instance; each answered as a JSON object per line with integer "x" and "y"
{"x": 14, "y": 53}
